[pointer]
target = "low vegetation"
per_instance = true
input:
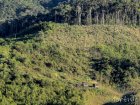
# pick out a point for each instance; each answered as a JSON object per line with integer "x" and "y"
{"x": 44, "y": 67}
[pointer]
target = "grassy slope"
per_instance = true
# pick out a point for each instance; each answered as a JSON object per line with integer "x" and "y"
{"x": 66, "y": 50}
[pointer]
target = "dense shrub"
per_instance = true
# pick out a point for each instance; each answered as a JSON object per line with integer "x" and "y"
{"x": 122, "y": 70}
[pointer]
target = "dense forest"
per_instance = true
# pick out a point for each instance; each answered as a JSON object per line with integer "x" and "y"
{"x": 18, "y": 16}
{"x": 99, "y": 12}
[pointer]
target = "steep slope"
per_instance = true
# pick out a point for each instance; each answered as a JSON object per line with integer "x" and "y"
{"x": 45, "y": 67}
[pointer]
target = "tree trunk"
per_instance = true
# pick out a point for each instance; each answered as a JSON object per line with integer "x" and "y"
{"x": 79, "y": 14}
{"x": 97, "y": 18}
{"x": 103, "y": 17}
{"x": 55, "y": 16}
{"x": 89, "y": 16}
{"x": 117, "y": 17}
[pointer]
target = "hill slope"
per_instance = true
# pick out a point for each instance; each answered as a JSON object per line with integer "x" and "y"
{"x": 11, "y": 9}
{"x": 44, "y": 67}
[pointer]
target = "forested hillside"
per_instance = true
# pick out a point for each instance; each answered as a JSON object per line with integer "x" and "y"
{"x": 10, "y": 9}
{"x": 69, "y": 52}
{"x": 18, "y": 15}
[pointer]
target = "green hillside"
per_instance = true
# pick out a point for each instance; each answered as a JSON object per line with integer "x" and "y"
{"x": 43, "y": 68}
{"x": 69, "y": 52}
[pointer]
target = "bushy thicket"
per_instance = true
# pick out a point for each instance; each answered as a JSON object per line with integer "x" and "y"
{"x": 118, "y": 71}
{"x": 44, "y": 67}
{"x": 27, "y": 80}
